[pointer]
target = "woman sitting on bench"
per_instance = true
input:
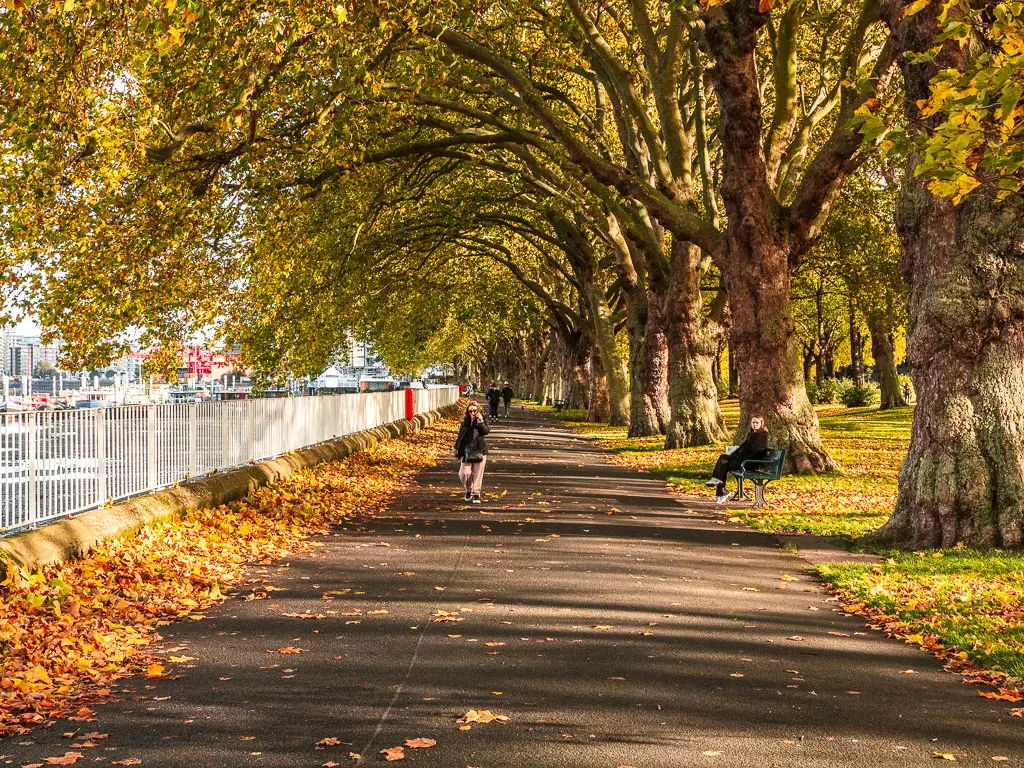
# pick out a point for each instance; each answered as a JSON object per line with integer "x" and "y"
{"x": 754, "y": 447}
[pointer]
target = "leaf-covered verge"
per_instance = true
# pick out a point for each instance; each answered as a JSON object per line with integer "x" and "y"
{"x": 869, "y": 445}
{"x": 965, "y": 606}
{"x": 69, "y": 632}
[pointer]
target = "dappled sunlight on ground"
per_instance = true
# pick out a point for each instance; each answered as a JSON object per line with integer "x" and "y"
{"x": 868, "y": 444}
{"x": 965, "y": 606}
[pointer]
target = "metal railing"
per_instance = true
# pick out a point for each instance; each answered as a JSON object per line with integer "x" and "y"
{"x": 57, "y": 463}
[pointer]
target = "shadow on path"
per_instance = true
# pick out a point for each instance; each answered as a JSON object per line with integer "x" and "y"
{"x": 613, "y": 624}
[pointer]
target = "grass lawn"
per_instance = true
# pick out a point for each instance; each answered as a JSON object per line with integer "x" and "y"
{"x": 959, "y": 603}
{"x": 964, "y": 605}
{"x": 868, "y": 444}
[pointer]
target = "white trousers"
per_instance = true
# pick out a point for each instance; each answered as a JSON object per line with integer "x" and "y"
{"x": 471, "y": 474}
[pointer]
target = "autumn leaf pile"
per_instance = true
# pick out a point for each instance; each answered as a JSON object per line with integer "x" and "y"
{"x": 68, "y": 632}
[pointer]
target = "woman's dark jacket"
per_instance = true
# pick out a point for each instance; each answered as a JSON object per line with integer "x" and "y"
{"x": 493, "y": 395}
{"x": 471, "y": 434}
{"x": 754, "y": 447}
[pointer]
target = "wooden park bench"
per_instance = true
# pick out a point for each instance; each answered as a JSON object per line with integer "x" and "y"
{"x": 559, "y": 405}
{"x": 760, "y": 472}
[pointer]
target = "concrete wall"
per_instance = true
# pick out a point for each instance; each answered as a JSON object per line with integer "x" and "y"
{"x": 72, "y": 537}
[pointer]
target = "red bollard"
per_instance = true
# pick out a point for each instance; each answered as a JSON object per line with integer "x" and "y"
{"x": 410, "y": 407}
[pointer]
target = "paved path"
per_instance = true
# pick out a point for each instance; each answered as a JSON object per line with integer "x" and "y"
{"x": 611, "y": 623}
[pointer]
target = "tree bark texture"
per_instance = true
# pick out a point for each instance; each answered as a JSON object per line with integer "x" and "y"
{"x": 576, "y": 388}
{"x": 694, "y": 415}
{"x": 882, "y": 349}
{"x": 600, "y": 405}
{"x": 615, "y": 388}
{"x": 648, "y": 368}
{"x": 642, "y": 416}
{"x": 963, "y": 478}
{"x": 542, "y": 351}
{"x": 757, "y": 262}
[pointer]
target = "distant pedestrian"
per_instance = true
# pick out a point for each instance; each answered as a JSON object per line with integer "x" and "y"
{"x": 754, "y": 447}
{"x": 906, "y": 392}
{"x": 506, "y": 396}
{"x": 471, "y": 449}
{"x": 493, "y": 399}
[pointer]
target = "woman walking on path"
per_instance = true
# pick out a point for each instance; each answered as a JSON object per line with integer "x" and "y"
{"x": 471, "y": 449}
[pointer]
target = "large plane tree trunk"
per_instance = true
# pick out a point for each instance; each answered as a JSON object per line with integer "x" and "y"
{"x": 757, "y": 260}
{"x": 615, "y": 392}
{"x": 648, "y": 368}
{"x": 575, "y": 377}
{"x": 963, "y": 479}
{"x": 600, "y": 405}
{"x": 769, "y": 365}
{"x": 542, "y": 351}
{"x": 648, "y": 361}
{"x": 694, "y": 415}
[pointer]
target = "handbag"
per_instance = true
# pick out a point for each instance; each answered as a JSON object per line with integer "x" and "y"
{"x": 474, "y": 452}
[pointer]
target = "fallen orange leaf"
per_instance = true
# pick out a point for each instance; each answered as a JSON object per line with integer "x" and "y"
{"x": 69, "y": 758}
{"x": 420, "y": 743}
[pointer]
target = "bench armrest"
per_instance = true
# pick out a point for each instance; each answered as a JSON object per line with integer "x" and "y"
{"x": 744, "y": 467}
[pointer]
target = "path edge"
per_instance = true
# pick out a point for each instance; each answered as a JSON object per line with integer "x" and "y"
{"x": 72, "y": 537}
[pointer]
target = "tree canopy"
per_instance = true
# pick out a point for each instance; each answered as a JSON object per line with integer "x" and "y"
{"x": 603, "y": 199}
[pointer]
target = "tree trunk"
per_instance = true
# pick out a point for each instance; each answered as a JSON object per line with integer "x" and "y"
{"x": 694, "y": 415}
{"x": 770, "y": 372}
{"x": 543, "y": 353}
{"x": 808, "y": 360}
{"x": 641, "y": 418}
{"x": 963, "y": 478}
{"x": 656, "y": 366}
{"x": 830, "y": 363}
{"x": 648, "y": 368}
{"x": 757, "y": 261}
{"x": 523, "y": 370}
{"x": 856, "y": 347}
{"x": 716, "y": 366}
{"x": 552, "y": 377}
{"x": 615, "y": 389}
{"x": 600, "y": 405}
{"x": 733, "y": 378}
{"x": 885, "y": 362}
{"x": 575, "y": 386}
